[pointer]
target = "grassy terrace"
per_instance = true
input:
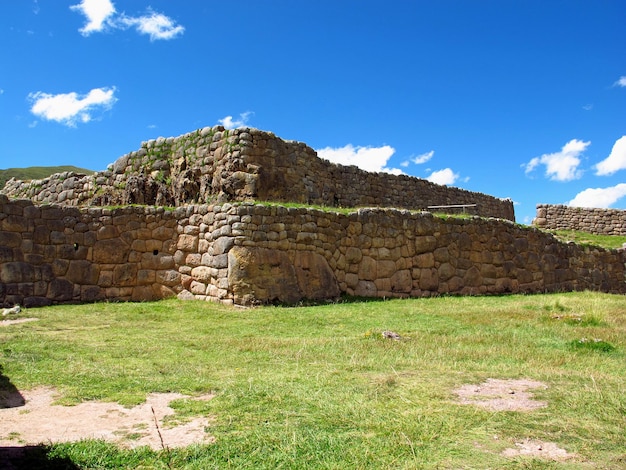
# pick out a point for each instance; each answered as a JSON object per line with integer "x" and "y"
{"x": 319, "y": 387}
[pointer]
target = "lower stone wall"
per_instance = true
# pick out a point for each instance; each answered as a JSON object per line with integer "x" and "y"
{"x": 248, "y": 254}
{"x": 597, "y": 221}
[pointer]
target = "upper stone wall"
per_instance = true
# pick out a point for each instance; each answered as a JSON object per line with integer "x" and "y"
{"x": 597, "y": 221}
{"x": 218, "y": 165}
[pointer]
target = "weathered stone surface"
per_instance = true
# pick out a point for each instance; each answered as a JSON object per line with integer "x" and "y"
{"x": 316, "y": 280}
{"x": 251, "y": 254}
{"x": 259, "y": 273}
{"x": 109, "y": 251}
{"x": 591, "y": 220}
{"x": 61, "y": 290}
{"x": 262, "y": 167}
{"x": 82, "y": 272}
{"x": 16, "y": 272}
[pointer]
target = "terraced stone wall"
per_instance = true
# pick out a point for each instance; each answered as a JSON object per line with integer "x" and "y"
{"x": 248, "y": 254}
{"x": 597, "y": 221}
{"x": 215, "y": 165}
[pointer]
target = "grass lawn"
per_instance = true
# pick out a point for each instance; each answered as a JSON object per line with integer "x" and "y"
{"x": 319, "y": 387}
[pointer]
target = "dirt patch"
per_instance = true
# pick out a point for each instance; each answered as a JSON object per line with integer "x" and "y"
{"x": 540, "y": 449}
{"x": 502, "y": 395}
{"x": 39, "y": 421}
{"x": 16, "y": 321}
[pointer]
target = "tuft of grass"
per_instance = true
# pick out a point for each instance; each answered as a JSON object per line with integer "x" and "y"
{"x": 592, "y": 344}
{"x": 319, "y": 386}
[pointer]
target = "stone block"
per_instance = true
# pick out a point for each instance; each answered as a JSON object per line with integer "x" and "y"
{"x": 401, "y": 281}
{"x": 315, "y": 278}
{"x": 187, "y": 243}
{"x": 168, "y": 277}
{"x": 16, "y": 272}
{"x": 201, "y": 273}
{"x": 60, "y": 290}
{"x": 368, "y": 269}
{"x": 112, "y": 250}
{"x": 365, "y": 289}
{"x": 262, "y": 275}
{"x": 82, "y": 272}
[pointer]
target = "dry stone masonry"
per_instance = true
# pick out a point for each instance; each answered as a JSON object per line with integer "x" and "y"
{"x": 217, "y": 165}
{"x": 189, "y": 223}
{"x": 246, "y": 254}
{"x": 597, "y": 221}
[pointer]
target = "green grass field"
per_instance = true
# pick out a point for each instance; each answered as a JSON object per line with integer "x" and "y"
{"x": 319, "y": 387}
{"x": 36, "y": 172}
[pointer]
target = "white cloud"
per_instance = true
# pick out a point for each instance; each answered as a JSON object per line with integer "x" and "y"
{"x": 445, "y": 176}
{"x": 599, "y": 197}
{"x": 229, "y": 123}
{"x": 563, "y": 165}
{"x": 71, "y": 108}
{"x": 367, "y": 158}
{"x": 615, "y": 161}
{"x": 621, "y": 82}
{"x": 101, "y": 15}
{"x": 97, "y": 13}
{"x": 423, "y": 158}
{"x": 156, "y": 25}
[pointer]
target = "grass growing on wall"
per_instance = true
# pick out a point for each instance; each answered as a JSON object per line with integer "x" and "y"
{"x": 319, "y": 387}
{"x": 584, "y": 238}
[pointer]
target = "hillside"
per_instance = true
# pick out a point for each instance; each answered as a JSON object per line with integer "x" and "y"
{"x": 36, "y": 172}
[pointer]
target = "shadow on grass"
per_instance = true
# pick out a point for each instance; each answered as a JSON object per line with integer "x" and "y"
{"x": 32, "y": 457}
{"x": 10, "y": 396}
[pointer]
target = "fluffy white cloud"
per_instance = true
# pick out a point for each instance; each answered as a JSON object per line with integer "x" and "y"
{"x": 229, "y": 123}
{"x": 367, "y": 158}
{"x": 615, "y": 161}
{"x": 445, "y": 176}
{"x": 621, "y": 82}
{"x": 97, "y": 12}
{"x": 101, "y": 14}
{"x": 423, "y": 158}
{"x": 71, "y": 108}
{"x": 599, "y": 197}
{"x": 563, "y": 165}
{"x": 156, "y": 25}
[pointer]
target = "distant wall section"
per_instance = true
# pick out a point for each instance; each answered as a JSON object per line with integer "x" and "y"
{"x": 215, "y": 165}
{"x": 597, "y": 221}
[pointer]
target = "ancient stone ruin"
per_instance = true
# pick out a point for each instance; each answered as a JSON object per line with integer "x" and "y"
{"x": 193, "y": 221}
{"x": 215, "y": 165}
{"x": 591, "y": 220}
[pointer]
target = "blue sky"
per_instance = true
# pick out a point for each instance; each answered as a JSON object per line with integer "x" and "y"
{"x": 524, "y": 99}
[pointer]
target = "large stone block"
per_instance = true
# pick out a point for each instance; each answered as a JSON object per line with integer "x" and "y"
{"x": 61, "y": 290}
{"x": 315, "y": 278}
{"x": 259, "y": 275}
{"x": 110, "y": 251}
{"x": 82, "y": 272}
{"x": 16, "y": 272}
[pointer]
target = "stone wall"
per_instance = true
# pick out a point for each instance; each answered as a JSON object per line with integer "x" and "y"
{"x": 214, "y": 165}
{"x": 597, "y": 221}
{"x": 249, "y": 253}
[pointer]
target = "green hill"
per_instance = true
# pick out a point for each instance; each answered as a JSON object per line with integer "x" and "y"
{"x": 37, "y": 172}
